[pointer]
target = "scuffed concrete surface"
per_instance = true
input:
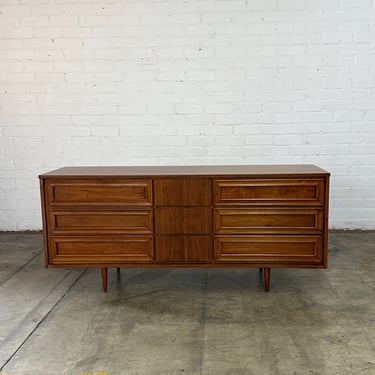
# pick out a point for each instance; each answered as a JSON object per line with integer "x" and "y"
{"x": 188, "y": 321}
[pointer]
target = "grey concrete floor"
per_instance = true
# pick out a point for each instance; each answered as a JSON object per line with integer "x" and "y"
{"x": 187, "y": 321}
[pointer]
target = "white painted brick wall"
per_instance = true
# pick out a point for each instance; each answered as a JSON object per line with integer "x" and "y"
{"x": 123, "y": 82}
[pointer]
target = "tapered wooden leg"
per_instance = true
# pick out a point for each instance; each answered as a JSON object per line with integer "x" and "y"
{"x": 104, "y": 278}
{"x": 267, "y": 279}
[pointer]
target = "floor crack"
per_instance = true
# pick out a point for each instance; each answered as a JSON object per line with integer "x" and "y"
{"x": 45, "y": 316}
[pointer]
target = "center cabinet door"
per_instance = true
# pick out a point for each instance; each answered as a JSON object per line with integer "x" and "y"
{"x": 183, "y": 220}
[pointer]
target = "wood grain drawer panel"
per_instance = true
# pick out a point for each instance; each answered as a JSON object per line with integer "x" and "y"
{"x": 96, "y": 192}
{"x": 306, "y": 192}
{"x": 93, "y": 250}
{"x": 99, "y": 221}
{"x": 183, "y": 220}
{"x": 290, "y": 221}
{"x": 184, "y": 249}
{"x": 269, "y": 249}
{"x": 183, "y": 192}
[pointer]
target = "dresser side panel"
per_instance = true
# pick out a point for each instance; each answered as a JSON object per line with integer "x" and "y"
{"x": 44, "y": 208}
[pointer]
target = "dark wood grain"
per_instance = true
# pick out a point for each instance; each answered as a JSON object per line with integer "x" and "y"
{"x": 104, "y": 271}
{"x": 272, "y": 216}
{"x": 183, "y": 220}
{"x": 71, "y": 221}
{"x": 189, "y": 170}
{"x": 94, "y": 192}
{"x": 183, "y": 192}
{"x": 184, "y": 249}
{"x": 285, "y": 192}
{"x": 267, "y": 279}
{"x": 82, "y": 250}
{"x": 268, "y": 220}
{"x": 282, "y": 249}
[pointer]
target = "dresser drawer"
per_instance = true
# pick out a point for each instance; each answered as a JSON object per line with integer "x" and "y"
{"x": 101, "y": 221}
{"x": 100, "y": 250}
{"x": 183, "y": 192}
{"x": 269, "y": 249}
{"x": 290, "y": 192}
{"x": 187, "y": 220}
{"x": 184, "y": 249}
{"x": 268, "y": 220}
{"x": 96, "y": 192}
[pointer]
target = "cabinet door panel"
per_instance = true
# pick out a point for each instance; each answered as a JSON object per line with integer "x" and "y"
{"x": 270, "y": 192}
{"x": 184, "y": 249}
{"x": 289, "y": 221}
{"x": 100, "y": 250}
{"x": 96, "y": 192}
{"x": 183, "y": 192}
{"x": 100, "y": 221}
{"x": 183, "y": 220}
{"x": 269, "y": 249}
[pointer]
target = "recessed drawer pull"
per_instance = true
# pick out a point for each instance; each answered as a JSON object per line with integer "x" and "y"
{"x": 97, "y": 193}
{"x": 270, "y": 192}
{"x": 268, "y": 220}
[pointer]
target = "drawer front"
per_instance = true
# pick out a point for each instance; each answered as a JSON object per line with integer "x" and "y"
{"x": 100, "y": 250}
{"x": 95, "y": 222}
{"x": 270, "y": 192}
{"x": 115, "y": 192}
{"x": 288, "y": 221}
{"x": 183, "y": 192}
{"x": 183, "y": 220}
{"x": 269, "y": 249}
{"x": 184, "y": 249}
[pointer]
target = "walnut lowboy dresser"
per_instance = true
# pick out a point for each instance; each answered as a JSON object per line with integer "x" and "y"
{"x": 270, "y": 216}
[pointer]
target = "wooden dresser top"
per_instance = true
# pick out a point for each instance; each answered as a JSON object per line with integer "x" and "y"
{"x": 196, "y": 170}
